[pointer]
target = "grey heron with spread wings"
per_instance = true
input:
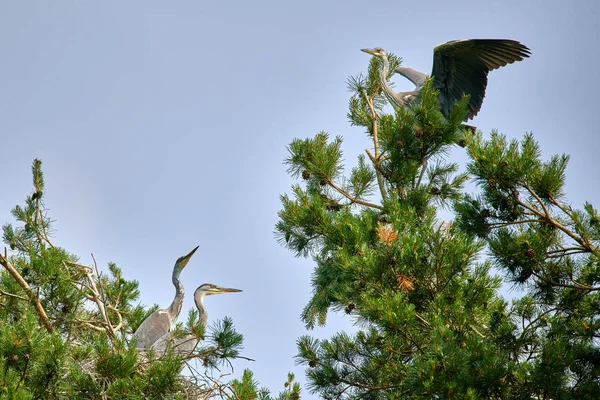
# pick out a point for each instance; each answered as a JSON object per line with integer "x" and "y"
{"x": 459, "y": 67}
{"x": 161, "y": 322}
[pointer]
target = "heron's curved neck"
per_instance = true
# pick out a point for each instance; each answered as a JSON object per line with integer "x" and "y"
{"x": 175, "y": 307}
{"x": 199, "y": 300}
{"x": 387, "y": 89}
{"x": 385, "y": 69}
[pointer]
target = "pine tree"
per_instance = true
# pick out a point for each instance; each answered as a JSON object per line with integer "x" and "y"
{"x": 550, "y": 251}
{"x": 65, "y": 327}
{"x": 432, "y": 322}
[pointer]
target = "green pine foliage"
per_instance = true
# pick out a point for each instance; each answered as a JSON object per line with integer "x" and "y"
{"x": 247, "y": 389}
{"x": 549, "y": 250}
{"x": 65, "y": 327}
{"x": 422, "y": 291}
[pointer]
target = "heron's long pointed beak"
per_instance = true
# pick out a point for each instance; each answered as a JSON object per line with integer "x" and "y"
{"x": 191, "y": 253}
{"x": 186, "y": 259}
{"x": 369, "y": 51}
{"x": 227, "y": 290}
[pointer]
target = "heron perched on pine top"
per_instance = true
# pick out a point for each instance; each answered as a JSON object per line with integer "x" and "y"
{"x": 459, "y": 67}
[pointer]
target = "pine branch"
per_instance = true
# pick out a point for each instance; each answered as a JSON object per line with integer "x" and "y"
{"x": 350, "y": 197}
{"x": 33, "y": 298}
{"x": 16, "y": 296}
{"x": 548, "y": 217}
{"x": 519, "y": 222}
{"x": 576, "y": 285}
{"x": 374, "y": 119}
{"x": 375, "y": 161}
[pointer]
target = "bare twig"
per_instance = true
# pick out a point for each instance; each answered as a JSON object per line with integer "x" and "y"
{"x": 100, "y": 292}
{"x": 565, "y": 250}
{"x": 97, "y": 296}
{"x": 423, "y": 169}
{"x": 423, "y": 320}
{"x": 565, "y": 254}
{"x": 477, "y": 332}
{"x": 90, "y": 324}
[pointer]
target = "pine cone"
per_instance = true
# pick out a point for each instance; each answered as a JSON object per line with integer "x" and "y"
{"x": 305, "y": 175}
{"x": 530, "y": 253}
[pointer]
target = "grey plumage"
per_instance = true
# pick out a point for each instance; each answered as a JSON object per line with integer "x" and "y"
{"x": 187, "y": 344}
{"x": 459, "y": 67}
{"x": 160, "y": 322}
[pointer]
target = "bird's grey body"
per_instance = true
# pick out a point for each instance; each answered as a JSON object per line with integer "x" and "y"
{"x": 183, "y": 345}
{"x": 160, "y": 322}
{"x": 187, "y": 344}
{"x": 459, "y": 67}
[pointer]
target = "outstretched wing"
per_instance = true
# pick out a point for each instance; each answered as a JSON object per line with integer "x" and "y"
{"x": 461, "y": 67}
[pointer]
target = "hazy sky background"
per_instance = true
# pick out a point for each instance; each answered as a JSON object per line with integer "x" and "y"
{"x": 163, "y": 125}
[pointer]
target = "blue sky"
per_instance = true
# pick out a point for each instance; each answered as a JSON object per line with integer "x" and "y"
{"x": 164, "y": 125}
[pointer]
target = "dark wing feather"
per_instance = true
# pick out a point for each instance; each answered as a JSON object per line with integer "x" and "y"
{"x": 461, "y": 67}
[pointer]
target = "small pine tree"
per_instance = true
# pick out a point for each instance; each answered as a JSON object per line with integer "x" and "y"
{"x": 247, "y": 389}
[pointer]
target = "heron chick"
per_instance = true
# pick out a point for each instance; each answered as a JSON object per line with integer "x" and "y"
{"x": 459, "y": 67}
